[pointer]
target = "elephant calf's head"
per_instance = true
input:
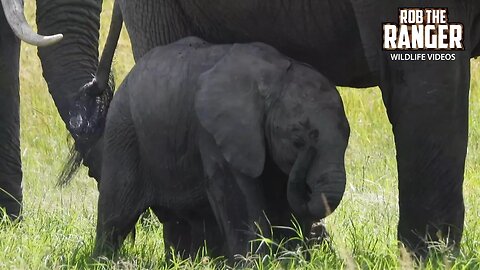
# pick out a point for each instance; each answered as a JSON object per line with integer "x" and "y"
{"x": 256, "y": 97}
{"x": 308, "y": 132}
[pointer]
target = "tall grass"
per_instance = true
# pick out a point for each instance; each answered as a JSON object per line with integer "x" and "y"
{"x": 59, "y": 224}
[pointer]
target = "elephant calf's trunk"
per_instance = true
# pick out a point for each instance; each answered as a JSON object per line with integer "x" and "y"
{"x": 326, "y": 193}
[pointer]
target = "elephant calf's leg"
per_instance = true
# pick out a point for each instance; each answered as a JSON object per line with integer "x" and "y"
{"x": 186, "y": 237}
{"x": 177, "y": 238}
{"x": 429, "y": 114}
{"x": 237, "y": 200}
{"x": 205, "y": 233}
{"x": 122, "y": 196}
{"x": 118, "y": 211}
{"x": 10, "y": 164}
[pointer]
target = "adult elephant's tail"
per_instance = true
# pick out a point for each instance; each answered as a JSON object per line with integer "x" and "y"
{"x": 16, "y": 19}
{"x": 103, "y": 72}
{"x": 88, "y": 151}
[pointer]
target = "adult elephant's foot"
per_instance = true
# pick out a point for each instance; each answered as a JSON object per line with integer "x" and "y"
{"x": 424, "y": 238}
{"x": 10, "y": 196}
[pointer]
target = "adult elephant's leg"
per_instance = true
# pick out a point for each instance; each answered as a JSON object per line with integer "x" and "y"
{"x": 427, "y": 103}
{"x": 10, "y": 164}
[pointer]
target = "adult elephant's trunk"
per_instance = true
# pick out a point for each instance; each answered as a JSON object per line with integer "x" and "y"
{"x": 311, "y": 193}
{"x": 70, "y": 65}
{"x": 16, "y": 19}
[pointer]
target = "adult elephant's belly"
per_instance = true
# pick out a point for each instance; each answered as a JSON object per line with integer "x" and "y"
{"x": 322, "y": 33}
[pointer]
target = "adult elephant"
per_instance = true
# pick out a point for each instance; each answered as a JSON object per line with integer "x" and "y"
{"x": 67, "y": 66}
{"x": 426, "y": 102}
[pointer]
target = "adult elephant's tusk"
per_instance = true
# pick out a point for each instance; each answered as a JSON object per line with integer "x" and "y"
{"x": 16, "y": 19}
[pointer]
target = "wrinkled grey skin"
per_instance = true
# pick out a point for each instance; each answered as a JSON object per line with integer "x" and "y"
{"x": 10, "y": 164}
{"x": 67, "y": 67}
{"x": 426, "y": 102}
{"x": 203, "y": 134}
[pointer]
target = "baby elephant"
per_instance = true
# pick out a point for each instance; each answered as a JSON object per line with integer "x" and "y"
{"x": 217, "y": 139}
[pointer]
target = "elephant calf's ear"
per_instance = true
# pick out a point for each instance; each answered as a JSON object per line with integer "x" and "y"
{"x": 230, "y": 107}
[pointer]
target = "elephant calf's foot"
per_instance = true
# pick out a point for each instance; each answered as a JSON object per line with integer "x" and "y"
{"x": 104, "y": 250}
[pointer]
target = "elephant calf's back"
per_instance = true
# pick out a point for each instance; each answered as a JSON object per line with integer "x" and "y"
{"x": 160, "y": 92}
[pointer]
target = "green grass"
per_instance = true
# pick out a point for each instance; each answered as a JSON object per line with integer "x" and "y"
{"x": 59, "y": 224}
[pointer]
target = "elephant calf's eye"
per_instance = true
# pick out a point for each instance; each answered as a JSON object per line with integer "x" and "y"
{"x": 299, "y": 143}
{"x": 313, "y": 134}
